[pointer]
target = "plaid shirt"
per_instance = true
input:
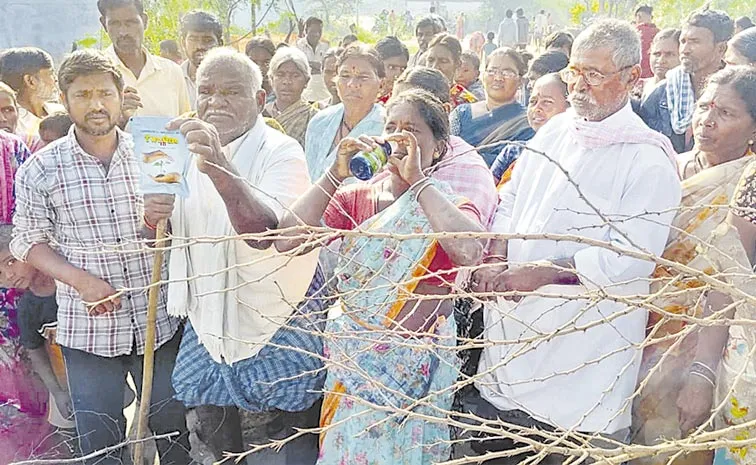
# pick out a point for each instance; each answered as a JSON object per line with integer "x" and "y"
{"x": 65, "y": 197}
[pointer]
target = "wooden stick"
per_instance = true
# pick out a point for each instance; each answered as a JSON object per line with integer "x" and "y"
{"x": 149, "y": 346}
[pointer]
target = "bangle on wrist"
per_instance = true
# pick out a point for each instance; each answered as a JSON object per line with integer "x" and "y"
{"x": 333, "y": 179}
{"x": 702, "y": 366}
{"x": 421, "y": 188}
{"x": 147, "y": 224}
{"x": 703, "y": 376}
{"x": 414, "y": 186}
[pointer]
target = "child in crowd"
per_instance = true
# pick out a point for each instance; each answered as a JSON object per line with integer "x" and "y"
{"x": 37, "y": 321}
{"x": 53, "y": 127}
{"x": 490, "y": 46}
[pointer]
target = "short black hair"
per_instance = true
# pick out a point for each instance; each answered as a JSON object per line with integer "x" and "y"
{"x": 312, "y": 20}
{"x": 744, "y": 22}
{"x": 429, "y": 79}
{"x": 105, "y": 5}
{"x": 509, "y": 13}
{"x": 85, "y": 63}
{"x": 15, "y": 63}
{"x": 514, "y": 55}
{"x": 490, "y": 35}
{"x": 718, "y": 22}
{"x": 390, "y": 47}
{"x": 549, "y": 62}
{"x": 472, "y": 58}
{"x": 450, "y": 42}
{"x": 645, "y": 9}
{"x": 58, "y": 123}
{"x": 431, "y": 109}
{"x": 560, "y": 39}
{"x": 169, "y": 46}
{"x": 520, "y": 12}
{"x": 349, "y": 39}
{"x": 434, "y": 21}
{"x": 201, "y": 21}
{"x": 260, "y": 42}
{"x": 668, "y": 34}
{"x": 745, "y": 44}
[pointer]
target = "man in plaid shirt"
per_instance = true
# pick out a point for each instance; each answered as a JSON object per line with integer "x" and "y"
{"x": 79, "y": 219}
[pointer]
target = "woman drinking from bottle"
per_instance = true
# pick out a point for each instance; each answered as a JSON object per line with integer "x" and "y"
{"x": 391, "y": 337}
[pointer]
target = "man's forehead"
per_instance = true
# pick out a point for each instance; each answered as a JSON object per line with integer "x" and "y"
{"x": 697, "y": 31}
{"x": 592, "y": 58}
{"x": 222, "y": 76}
{"x": 200, "y": 34}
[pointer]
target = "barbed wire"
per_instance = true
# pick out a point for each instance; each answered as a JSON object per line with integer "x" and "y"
{"x": 679, "y": 282}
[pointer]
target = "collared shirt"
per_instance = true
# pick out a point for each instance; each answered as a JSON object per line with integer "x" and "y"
{"x": 28, "y": 122}
{"x": 597, "y": 364}
{"x": 161, "y": 85}
{"x": 66, "y": 198}
{"x": 316, "y": 88}
{"x": 191, "y": 86}
{"x": 313, "y": 54}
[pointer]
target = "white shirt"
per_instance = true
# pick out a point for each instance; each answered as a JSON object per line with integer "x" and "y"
{"x": 507, "y": 33}
{"x": 571, "y": 380}
{"x": 191, "y": 86}
{"x": 541, "y": 23}
{"x": 263, "y": 286}
{"x": 316, "y": 89}
{"x": 315, "y": 54}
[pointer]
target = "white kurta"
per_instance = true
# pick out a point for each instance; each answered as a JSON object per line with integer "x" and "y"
{"x": 239, "y": 296}
{"x": 578, "y": 379}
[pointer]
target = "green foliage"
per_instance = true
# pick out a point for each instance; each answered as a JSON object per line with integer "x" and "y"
{"x": 670, "y": 13}
{"x": 165, "y": 19}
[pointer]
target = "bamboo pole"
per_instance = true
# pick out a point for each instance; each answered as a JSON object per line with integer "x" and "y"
{"x": 149, "y": 346}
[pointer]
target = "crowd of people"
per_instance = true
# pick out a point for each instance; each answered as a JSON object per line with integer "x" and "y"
{"x": 601, "y": 154}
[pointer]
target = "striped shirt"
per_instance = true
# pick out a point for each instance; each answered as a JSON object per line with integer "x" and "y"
{"x": 92, "y": 216}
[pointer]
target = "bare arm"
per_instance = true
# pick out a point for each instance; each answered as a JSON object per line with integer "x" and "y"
{"x": 90, "y": 287}
{"x": 307, "y": 210}
{"x": 747, "y": 231}
{"x": 444, "y": 216}
{"x": 248, "y": 214}
{"x": 695, "y": 399}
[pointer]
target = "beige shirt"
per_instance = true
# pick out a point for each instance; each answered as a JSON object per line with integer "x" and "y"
{"x": 28, "y": 122}
{"x": 191, "y": 86}
{"x": 161, "y": 85}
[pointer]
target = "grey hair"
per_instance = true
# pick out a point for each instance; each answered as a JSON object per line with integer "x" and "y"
{"x": 230, "y": 58}
{"x": 289, "y": 54}
{"x": 619, "y": 36}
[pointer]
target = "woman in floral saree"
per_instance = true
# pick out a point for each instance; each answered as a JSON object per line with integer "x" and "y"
{"x": 391, "y": 352}
{"x": 681, "y": 375}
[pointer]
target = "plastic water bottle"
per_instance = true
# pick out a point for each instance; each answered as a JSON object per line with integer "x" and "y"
{"x": 364, "y": 165}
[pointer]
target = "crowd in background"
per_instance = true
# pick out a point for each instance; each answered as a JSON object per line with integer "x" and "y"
{"x": 587, "y": 137}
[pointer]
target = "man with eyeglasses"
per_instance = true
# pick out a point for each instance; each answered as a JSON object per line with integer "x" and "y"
{"x": 588, "y": 168}
{"x": 669, "y": 107}
{"x": 200, "y": 32}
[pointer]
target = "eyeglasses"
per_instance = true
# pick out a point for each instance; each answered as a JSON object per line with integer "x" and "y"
{"x": 504, "y": 73}
{"x": 592, "y": 78}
